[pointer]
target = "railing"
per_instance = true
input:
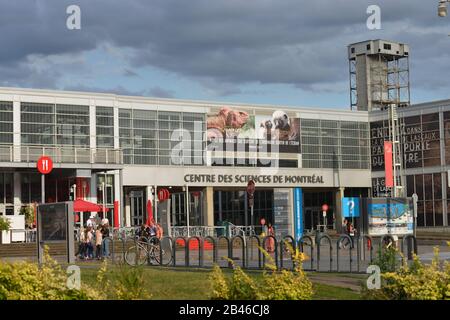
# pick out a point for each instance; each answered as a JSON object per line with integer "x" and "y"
{"x": 29, "y": 235}
{"x": 197, "y": 231}
{"x": 244, "y": 231}
{"x": 330, "y": 255}
{"x": 61, "y": 154}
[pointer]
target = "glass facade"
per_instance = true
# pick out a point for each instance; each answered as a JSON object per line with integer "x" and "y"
{"x": 49, "y": 124}
{"x": 6, "y": 122}
{"x": 104, "y": 119}
{"x": 151, "y": 137}
{"x": 421, "y": 141}
{"x": 335, "y": 144}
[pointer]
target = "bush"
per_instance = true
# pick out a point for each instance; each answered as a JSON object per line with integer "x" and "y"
{"x": 387, "y": 259}
{"x": 5, "y": 224}
{"x": 28, "y": 281}
{"x": 274, "y": 285}
{"x": 28, "y": 212}
{"x": 123, "y": 283}
{"x": 415, "y": 282}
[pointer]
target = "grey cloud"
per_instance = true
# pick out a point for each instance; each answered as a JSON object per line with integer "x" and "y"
{"x": 224, "y": 43}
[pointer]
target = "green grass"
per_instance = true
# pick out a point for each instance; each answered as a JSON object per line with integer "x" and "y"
{"x": 193, "y": 284}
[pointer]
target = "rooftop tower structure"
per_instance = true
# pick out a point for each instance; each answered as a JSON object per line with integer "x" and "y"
{"x": 379, "y": 75}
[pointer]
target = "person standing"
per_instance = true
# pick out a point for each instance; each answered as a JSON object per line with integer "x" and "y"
{"x": 105, "y": 244}
{"x": 98, "y": 242}
{"x": 270, "y": 240}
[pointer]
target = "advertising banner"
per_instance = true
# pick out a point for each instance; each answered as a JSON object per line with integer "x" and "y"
{"x": 390, "y": 216}
{"x": 271, "y": 133}
{"x": 298, "y": 213}
{"x": 389, "y": 176}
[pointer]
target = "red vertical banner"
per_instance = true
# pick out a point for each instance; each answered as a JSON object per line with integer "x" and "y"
{"x": 116, "y": 214}
{"x": 388, "y": 168}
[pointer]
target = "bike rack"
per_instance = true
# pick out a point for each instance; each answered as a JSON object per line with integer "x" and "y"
{"x": 243, "y": 248}
{"x": 275, "y": 250}
{"x": 311, "y": 244}
{"x": 283, "y": 245}
{"x": 161, "y": 248}
{"x": 200, "y": 250}
{"x": 408, "y": 238}
{"x": 258, "y": 240}
{"x": 213, "y": 241}
{"x": 174, "y": 251}
{"x": 338, "y": 244}
{"x": 229, "y": 252}
{"x": 319, "y": 241}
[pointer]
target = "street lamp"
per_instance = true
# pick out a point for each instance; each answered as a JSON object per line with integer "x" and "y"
{"x": 442, "y": 8}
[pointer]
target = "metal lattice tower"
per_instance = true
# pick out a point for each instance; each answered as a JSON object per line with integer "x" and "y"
{"x": 379, "y": 75}
{"x": 395, "y": 136}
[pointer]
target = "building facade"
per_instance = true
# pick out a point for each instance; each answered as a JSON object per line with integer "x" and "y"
{"x": 108, "y": 148}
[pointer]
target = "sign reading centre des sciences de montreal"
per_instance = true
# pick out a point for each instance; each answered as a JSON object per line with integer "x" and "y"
{"x": 259, "y": 179}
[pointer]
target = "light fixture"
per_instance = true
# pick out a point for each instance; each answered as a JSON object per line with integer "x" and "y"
{"x": 442, "y": 8}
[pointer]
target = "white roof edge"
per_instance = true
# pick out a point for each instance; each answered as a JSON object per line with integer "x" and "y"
{"x": 199, "y": 103}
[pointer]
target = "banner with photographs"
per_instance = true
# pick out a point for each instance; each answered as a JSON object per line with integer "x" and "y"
{"x": 254, "y": 133}
{"x": 390, "y": 216}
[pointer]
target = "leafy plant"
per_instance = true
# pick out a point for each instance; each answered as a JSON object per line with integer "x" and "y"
{"x": 28, "y": 281}
{"x": 416, "y": 281}
{"x": 28, "y": 212}
{"x": 274, "y": 285}
{"x": 387, "y": 259}
{"x": 123, "y": 283}
{"x": 5, "y": 224}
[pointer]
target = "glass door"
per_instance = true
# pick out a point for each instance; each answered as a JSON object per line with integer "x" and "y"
{"x": 137, "y": 207}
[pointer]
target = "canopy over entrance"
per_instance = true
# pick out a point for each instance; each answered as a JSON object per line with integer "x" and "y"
{"x": 83, "y": 206}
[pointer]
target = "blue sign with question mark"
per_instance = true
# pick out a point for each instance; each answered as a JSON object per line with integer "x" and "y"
{"x": 350, "y": 207}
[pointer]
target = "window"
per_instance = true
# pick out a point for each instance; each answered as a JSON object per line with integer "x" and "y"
{"x": 105, "y": 127}
{"x": 48, "y": 124}
{"x": 6, "y": 122}
{"x": 387, "y": 46}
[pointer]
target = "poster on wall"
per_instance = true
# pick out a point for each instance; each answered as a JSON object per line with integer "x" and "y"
{"x": 390, "y": 216}
{"x": 420, "y": 141}
{"x": 279, "y": 129}
{"x": 254, "y": 133}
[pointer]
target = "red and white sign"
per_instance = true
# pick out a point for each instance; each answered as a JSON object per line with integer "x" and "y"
{"x": 389, "y": 176}
{"x": 45, "y": 165}
{"x": 163, "y": 194}
{"x": 325, "y": 207}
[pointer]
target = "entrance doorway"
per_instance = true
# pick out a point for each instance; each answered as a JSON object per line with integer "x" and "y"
{"x": 313, "y": 219}
{"x": 137, "y": 207}
{"x": 179, "y": 215}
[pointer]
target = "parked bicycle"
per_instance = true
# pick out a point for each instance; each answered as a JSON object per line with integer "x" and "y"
{"x": 148, "y": 249}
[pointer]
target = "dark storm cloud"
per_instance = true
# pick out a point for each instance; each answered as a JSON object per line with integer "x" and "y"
{"x": 224, "y": 43}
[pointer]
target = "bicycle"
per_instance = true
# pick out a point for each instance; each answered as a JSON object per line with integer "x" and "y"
{"x": 147, "y": 250}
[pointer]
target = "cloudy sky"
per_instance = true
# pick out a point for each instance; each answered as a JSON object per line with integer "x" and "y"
{"x": 283, "y": 52}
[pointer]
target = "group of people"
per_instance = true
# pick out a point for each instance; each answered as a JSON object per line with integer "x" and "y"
{"x": 91, "y": 240}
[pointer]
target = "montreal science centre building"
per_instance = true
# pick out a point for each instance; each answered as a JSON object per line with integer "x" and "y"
{"x": 191, "y": 161}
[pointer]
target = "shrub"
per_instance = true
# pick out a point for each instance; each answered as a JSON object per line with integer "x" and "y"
{"x": 5, "y": 224}
{"x": 274, "y": 284}
{"x": 28, "y": 281}
{"x": 387, "y": 259}
{"x": 28, "y": 212}
{"x": 415, "y": 282}
{"x": 123, "y": 283}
